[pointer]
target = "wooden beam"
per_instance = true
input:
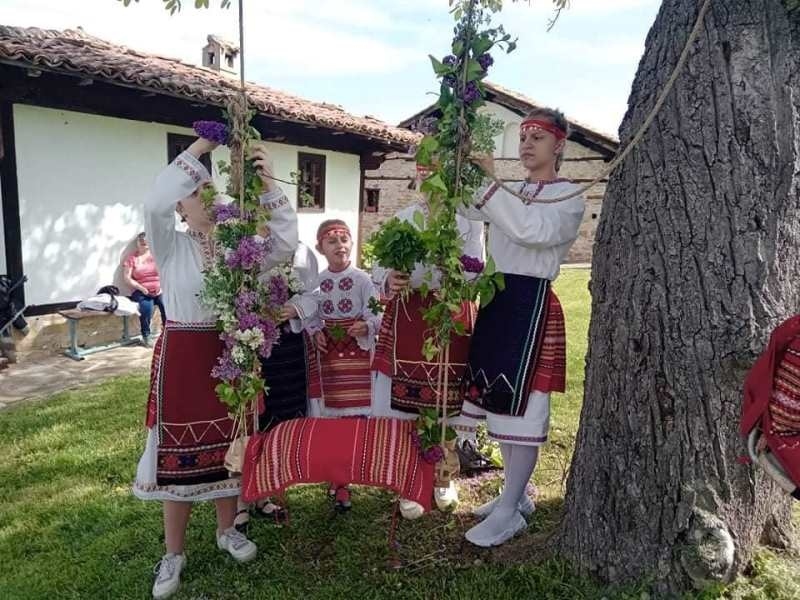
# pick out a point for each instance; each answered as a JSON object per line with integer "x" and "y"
{"x": 9, "y": 186}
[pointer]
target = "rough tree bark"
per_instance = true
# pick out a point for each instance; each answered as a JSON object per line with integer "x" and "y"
{"x": 697, "y": 257}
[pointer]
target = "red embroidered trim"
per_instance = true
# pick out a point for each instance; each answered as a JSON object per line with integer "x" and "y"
{"x": 195, "y": 175}
{"x": 534, "y": 124}
{"x": 487, "y": 195}
{"x": 274, "y": 204}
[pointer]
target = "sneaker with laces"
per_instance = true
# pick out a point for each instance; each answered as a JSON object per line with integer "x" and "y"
{"x": 168, "y": 575}
{"x": 237, "y": 545}
{"x": 446, "y": 497}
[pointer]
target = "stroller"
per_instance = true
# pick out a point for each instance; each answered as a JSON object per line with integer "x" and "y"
{"x": 771, "y": 410}
{"x": 10, "y": 310}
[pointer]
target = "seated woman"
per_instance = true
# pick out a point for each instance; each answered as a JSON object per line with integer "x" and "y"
{"x": 141, "y": 273}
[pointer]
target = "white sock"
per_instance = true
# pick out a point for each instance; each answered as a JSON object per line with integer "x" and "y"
{"x": 519, "y": 466}
{"x": 505, "y": 450}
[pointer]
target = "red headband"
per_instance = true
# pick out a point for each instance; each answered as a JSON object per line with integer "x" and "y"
{"x": 333, "y": 229}
{"x": 532, "y": 124}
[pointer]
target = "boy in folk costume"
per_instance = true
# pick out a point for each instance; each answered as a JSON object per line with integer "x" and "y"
{"x": 517, "y": 356}
{"x": 404, "y": 380}
{"x": 189, "y": 429}
{"x": 343, "y": 328}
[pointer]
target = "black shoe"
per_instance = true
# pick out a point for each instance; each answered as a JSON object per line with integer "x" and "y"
{"x": 471, "y": 460}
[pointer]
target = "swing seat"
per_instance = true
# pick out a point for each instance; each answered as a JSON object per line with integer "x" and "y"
{"x": 376, "y": 452}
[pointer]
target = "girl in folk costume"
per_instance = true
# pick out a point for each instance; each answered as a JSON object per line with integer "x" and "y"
{"x": 517, "y": 356}
{"x": 404, "y": 380}
{"x": 343, "y": 328}
{"x": 189, "y": 430}
{"x": 284, "y": 372}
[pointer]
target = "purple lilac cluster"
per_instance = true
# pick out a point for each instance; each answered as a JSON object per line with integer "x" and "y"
{"x": 212, "y": 131}
{"x": 271, "y": 334}
{"x": 485, "y": 61}
{"x": 471, "y": 264}
{"x": 226, "y": 369}
{"x": 449, "y": 60}
{"x": 432, "y": 455}
{"x": 249, "y": 254}
{"x": 278, "y": 290}
{"x": 224, "y": 212}
{"x": 471, "y": 92}
{"x": 246, "y": 302}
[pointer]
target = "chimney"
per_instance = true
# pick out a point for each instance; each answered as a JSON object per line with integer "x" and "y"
{"x": 220, "y": 55}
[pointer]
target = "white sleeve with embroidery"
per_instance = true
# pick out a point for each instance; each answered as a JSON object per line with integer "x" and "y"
{"x": 282, "y": 227}
{"x": 307, "y": 305}
{"x": 534, "y": 225}
{"x": 305, "y": 268}
{"x": 177, "y": 181}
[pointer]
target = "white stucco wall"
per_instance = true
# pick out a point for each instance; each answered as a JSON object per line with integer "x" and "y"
{"x": 506, "y": 145}
{"x": 82, "y": 179}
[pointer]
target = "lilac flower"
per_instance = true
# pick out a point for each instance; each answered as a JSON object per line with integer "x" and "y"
{"x": 223, "y": 212}
{"x": 228, "y": 339}
{"x": 450, "y": 80}
{"x": 433, "y": 454}
{"x": 485, "y": 61}
{"x": 245, "y": 301}
{"x": 248, "y": 255}
{"x": 449, "y": 60}
{"x": 249, "y": 320}
{"x": 271, "y": 336}
{"x": 471, "y": 264}
{"x": 212, "y": 131}
{"x": 471, "y": 92}
{"x": 226, "y": 369}
{"x": 278, "y": 291}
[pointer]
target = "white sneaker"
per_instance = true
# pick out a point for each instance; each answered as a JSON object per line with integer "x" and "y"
{"x": 168, "y": 575}
{"x": 446, "y": 498}
{"x": 237, "y": 545}
{"x": 411, "y": 510}
{"x": 485, "y": 536}
{"x": 525, "y": 506}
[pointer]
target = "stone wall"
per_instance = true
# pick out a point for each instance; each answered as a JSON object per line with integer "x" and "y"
{"x": 580, "y": 165}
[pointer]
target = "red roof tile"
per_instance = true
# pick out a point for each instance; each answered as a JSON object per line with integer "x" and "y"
{"x": 78, "y": 52}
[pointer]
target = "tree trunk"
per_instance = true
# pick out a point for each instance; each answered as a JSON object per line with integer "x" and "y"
{"x": 697, "y": 258}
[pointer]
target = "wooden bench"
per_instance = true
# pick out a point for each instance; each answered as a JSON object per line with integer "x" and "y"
{"x": 74, "y": 315}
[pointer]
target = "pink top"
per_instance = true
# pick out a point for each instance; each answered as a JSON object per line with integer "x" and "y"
{"x": 144, "y": 271}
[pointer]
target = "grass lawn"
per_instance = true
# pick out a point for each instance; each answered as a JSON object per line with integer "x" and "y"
{"x": 69, "y": 527}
